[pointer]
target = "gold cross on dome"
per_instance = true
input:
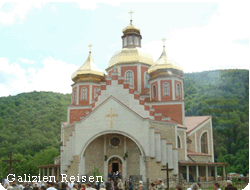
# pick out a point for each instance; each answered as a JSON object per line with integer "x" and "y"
{"x": 90, "y": 45}
{"x": 111, "y": 115}
{"x": 163, "y": 39}
{"x": 131, "y": 12}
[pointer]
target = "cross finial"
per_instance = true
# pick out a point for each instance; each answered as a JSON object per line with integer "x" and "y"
{"x": 131, "y": 12}
{"x": 90, "y": 45}
{"x": 163, "y": 39}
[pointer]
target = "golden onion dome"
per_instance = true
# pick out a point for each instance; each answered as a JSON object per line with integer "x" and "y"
{"x": 131, "y": 55}
{"x": 164, "y": 62}
{"x": 131, "y": 29}
{"x": 89, "y": 67}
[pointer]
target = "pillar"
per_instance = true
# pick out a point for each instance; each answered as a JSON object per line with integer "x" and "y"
{"x": 43, "y": 172}
{"x": 206, "y": 172}
{"x": 48, "y": 172}
{"x": 53, "y": 171}
{"x": 215, "y": 173}
{"x": 143, "y": 169}
{"x": 40, "y": 171}
{"x": 187, "y": 173}
{"x": 224, "y": 172}
{"x": 57, "y": 172}
{"x": 197, "y": 173}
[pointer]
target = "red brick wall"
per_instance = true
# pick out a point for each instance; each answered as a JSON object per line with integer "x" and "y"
{"x": 175, "y": 83}
{"x": 166, "y": 98}
{"x": 151, "y": 86}
{"x": 172, "y": 111}
{"x": 111, "y": 71}
{"x": 134, "y": 70}
{"x": 76, "y": 114}
{"x": 143, "y": 70}
{"x": 83, "y": 102}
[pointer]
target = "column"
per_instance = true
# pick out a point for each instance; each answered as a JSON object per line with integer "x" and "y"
{"x": 43, "y": 172}
{"x": 48, "y": 172}
{"x": 187, "y": 173}
{"x": 142, "y": 169}
{"x": 40, "y": 171}
{"x": 53, "y": 171}
{"x": 224, "y": 172}
{"x": 215, "y": 173}
{"x": 124, "y": 164}
{"x": 197, "y": 173}
{"x": 105, "y": 162}
{"x": 206, "y": 172}
{"x": 57, "y": 172}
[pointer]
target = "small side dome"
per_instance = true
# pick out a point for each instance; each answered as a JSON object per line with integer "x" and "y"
{"x": 88, "y": 68}
{"x": 165, "y": 62}
{"x": 131, "y": 55}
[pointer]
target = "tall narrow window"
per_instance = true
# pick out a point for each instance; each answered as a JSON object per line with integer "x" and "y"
{"x": 146, "y": 80}
{"x": 166, "y": 91}
{"x": 130, "y": 40}
{"x": 136, "y": 40}
{"x": 84, "y": 93}
{"x": 74, "y": 96}
{"x": 96, "y": 92}
{"x": 154, "y": 91}
{"x": 125, "y": 41}
{"x": 179, "y": 141}
{"x": 204, "y": 148}
{"x": 129, "y": 77}
{"x": 178, "y": 90}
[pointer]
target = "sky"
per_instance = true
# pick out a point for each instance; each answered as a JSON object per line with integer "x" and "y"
{"x": 43, "y": 43}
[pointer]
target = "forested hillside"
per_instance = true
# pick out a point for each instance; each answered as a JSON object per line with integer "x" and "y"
{"x": 30, "y": 122}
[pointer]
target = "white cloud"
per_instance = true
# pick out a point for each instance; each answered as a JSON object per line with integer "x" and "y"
{"x": 210, "y": 47}
{"x": 26, "y": 61}
{"x": 19, "y": 11}
{"x": 54, "y": 76}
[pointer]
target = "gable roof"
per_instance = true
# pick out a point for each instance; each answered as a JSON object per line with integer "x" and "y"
{"x": 192, "y": 122}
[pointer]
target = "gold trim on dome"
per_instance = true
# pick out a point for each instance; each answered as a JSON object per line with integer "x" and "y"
{"x": 164, "y": 62}
{"x": 131, "y": 55}
{"x": 89, "y": 67}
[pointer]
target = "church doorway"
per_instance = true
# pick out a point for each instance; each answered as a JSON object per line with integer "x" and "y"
{"x": 114, "y": 165}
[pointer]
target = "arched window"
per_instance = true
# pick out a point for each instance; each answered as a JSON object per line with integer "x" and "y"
{"x": 204, "y": 148}
{"x": 84, "y": 93}
{"x": 96, "y": 92}
{"x": 154, "y": 91}
{"x": 178, "y": 90}
{"x": 74, "y": 96}
{"x": 178, "y": 141}
{"x": 129, "y": 77}
{"x": 146, "y": 77}
{"x": 166, "y": 91}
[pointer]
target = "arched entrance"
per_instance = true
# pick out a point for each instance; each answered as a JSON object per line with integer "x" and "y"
{"x": 107, "y": 151}
{"x": 114, "y": 165}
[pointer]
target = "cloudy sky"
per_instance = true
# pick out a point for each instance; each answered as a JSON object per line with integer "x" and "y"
{"x": 42, "y": 44}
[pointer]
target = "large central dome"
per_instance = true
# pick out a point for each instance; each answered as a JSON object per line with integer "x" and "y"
{"x": 131, "y": 55}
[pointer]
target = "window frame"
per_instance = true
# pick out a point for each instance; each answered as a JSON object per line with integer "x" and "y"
{"x": 179, "y": 140}
{"x": 154, "y": 95}
{"x": 178, "y": 85}
{"x": 131, "y": 75}
{"x": 146, "y": 74}
{"x": 85, "y": 92}
{"x": 205, "y": 144}
{"x": 163, "y": 85}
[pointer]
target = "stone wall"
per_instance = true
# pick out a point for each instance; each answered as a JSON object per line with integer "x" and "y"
{"x": 94, "y": 155}
{"x": 181, "y": 151}
{"x": 167, "y": 131}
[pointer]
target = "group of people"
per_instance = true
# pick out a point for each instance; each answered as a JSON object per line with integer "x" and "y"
{"x": 111, "y": 184}
{"x": 115, "y": 175}
{"x": 216, "y": 186}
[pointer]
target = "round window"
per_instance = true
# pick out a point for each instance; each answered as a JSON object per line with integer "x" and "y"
{"x": 115, "y": 141}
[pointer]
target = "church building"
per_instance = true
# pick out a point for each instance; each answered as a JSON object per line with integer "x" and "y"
{"x": 132, "y": 119}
